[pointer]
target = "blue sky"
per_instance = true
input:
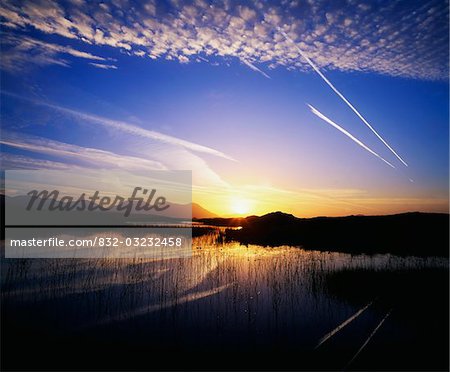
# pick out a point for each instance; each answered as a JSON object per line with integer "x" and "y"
{"x": 217, "y": 89}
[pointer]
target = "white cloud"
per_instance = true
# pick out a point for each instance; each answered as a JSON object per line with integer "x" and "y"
{"x": 70, "y": 156}
{"x": 124, "y": 127}
{"x": 103, "y": 67}
{"x": 180, "y": 158}
{"x": 24, "y": 51}
{"x": 88, "y": 156}
{"x": 141, "y": 150}
{"x": 392, "y": 38}
{"x": 14, "y": 161}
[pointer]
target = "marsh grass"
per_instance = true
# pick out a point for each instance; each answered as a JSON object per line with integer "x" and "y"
{"x": 225, "y": 298}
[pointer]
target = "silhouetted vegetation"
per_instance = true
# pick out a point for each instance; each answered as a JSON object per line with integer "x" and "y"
{"x": 422, "y": 234}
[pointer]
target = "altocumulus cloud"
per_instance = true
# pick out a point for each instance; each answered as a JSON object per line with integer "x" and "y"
{"x": 396, "y": 38}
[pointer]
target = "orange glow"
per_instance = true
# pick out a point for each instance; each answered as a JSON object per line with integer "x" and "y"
{"x": 259, "y": 200}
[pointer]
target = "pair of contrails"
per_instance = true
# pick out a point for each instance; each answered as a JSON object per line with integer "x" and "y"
{"x": 340, "y": 95}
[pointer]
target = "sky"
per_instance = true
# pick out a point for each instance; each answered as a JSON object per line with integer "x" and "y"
{"x": 223, "y": 89}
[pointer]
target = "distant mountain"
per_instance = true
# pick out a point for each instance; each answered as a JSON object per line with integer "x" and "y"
{"x": 17, "y": 214}
{"x": 199, "y": 212}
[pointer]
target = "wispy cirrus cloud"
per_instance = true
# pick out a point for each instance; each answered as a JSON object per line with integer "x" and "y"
{"x": 408, "y": 39}
{"x": 72, "y": 157}
{"x": 82, "y": 155}
{"x": 125, "y": 127}
{"x": 21, "y": 52}
{"x": 137, "y": 149}
{"x": 15, "y": 161}
{"x": 134, "y": 130}
{"x": 103, "y": 67}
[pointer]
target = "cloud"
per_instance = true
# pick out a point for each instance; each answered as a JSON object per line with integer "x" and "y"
{"x": 141, "y": 150}
{"x": 21, "y": 52}
{"x": 408, "y": 39}
{"x": 181, "y": 158}
{"x": 104, "y": 67}
{"x": 121, "y": 126}
{"x": 14, "y": 161}
{"x": 141, "y": 132}
{"x": 72, "y": 157}
{"x": 88, "y": 156}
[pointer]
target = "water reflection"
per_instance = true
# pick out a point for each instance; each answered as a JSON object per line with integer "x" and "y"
{"x": 225, "y": 296}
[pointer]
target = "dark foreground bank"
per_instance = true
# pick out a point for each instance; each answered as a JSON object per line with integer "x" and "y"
{"x": 418, "y": 234}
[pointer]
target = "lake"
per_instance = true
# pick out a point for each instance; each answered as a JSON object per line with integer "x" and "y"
{"x": 228, "y": 306}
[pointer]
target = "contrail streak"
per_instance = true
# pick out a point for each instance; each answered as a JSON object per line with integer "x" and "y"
{"x": 311, "y": 63}
{"x": 329, "y": 121}
{"x": 368, "y": 339}
{"x": 343, "y": 324}
{"x": 254, "y": 68}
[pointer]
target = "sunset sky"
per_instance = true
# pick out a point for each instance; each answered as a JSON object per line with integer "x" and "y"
{"x": 219, "y": 90}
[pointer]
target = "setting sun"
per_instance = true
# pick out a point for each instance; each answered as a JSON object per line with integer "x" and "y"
{"x": 240, "y": 205}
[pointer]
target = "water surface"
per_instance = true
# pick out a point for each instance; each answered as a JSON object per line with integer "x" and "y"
{"x": 269, "y": 307}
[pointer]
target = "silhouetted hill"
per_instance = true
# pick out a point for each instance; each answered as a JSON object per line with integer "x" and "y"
{"x": 222, "y": 221}
{"x": 199, "y": 212}
{"x": 423, "y": 234}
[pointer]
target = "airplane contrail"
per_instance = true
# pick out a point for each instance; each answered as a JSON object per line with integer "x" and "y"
{"x": 316, "y": 69}
{"x": 339, "y": 128}
{"x": 254, "y": 68}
